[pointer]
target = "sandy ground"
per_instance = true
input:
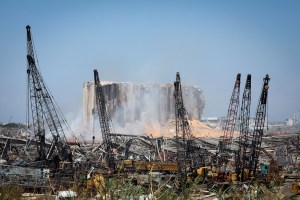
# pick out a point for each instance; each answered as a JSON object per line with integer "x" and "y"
{"x": 199, "y": 129}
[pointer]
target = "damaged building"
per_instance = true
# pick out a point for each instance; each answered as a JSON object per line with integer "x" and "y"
{"x": 149, "y": 104}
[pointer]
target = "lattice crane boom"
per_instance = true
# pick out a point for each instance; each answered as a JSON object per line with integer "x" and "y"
{"x": 43, "y": 109}
{"x": 184, "y": 134}
{"x": 228, "y": 128}
{"x": 244, "y": 129}
{"x": 182, "y": 124}
{"x": 104, "y": 120}
{"x": 259, "y": 124}
{"x": 230, "y": 121}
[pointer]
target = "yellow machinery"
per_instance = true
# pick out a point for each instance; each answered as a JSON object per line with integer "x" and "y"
{"x": 97, "y": 183}
{"x": 207, "y": 172}
{"x": 203, "y": 171}
{"x": 232, "y": 177}
{"x": 296, "y": 187}
{"x": 213, "y": 174}
{"x": 149, "y": 166}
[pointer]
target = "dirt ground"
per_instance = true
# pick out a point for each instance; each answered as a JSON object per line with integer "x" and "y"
{"x": 199, "y": 129}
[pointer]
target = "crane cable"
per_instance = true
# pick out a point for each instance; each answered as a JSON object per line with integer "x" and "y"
{"x": 55, "y": 103}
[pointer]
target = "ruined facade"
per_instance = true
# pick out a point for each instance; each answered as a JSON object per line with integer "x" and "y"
{"x": 130, "y": 103}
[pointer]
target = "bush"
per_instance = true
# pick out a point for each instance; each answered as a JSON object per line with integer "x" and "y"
{"x": 11, "y": 192}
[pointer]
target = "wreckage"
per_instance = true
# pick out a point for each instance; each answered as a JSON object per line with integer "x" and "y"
{"x": 41, "y": 156}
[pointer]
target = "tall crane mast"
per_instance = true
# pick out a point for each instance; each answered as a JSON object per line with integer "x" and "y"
{"x": 241, "y": 156}
{"x": 104, "y": 121}
{"x": 259, "y": 124}
{"x": 43, "y": 108}
{"x": 183, "y": 131}
{"x": 229, "y": 126}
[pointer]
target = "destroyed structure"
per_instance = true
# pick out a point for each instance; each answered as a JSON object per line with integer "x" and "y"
{"x": 41, "y": 157}
{"x": 128, "y": 103}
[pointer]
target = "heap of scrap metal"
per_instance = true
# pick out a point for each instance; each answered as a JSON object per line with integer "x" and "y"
{"x": 31, "y": 159}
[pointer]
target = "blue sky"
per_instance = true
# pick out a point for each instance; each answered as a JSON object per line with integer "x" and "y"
{"x": 208, "y": 42}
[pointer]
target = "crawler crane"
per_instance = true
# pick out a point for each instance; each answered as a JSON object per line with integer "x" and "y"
{"x": 44, "y": 110}
{"x": 241, "y": 154}
{"x": 259, "y": 124}
{"x": 104, "y": 122}
{"x": 229, "y": 126}
{"x": 183, "y": 131}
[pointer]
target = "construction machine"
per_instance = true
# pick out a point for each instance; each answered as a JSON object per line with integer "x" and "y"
{"x": 259, "y": 124}
{"x": 43, "y": 109}
{"x": 223, "y": 151}
{"x": 247, "y": 156}
{"x": 104, "y": 121}
{"x": 183, "y": 132}
{"x": 111, "y": 140}
{"x": 241, "y": 154}
{"x": 52, "y": 164}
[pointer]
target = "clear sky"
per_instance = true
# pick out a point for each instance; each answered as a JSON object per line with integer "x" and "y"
{"x": 208, "y": 42}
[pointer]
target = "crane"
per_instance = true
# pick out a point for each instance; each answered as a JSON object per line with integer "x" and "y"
{"x": 183, "y": 131}
{"x": 229, "y": 126}
{"x": 259, "y": 124}
{"x": 43, "y": 109}
{"x": 241, "y": 156}
{"x": 104, "y": 121}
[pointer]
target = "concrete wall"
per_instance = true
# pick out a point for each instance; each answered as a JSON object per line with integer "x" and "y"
{"x": 129, "y": 103}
